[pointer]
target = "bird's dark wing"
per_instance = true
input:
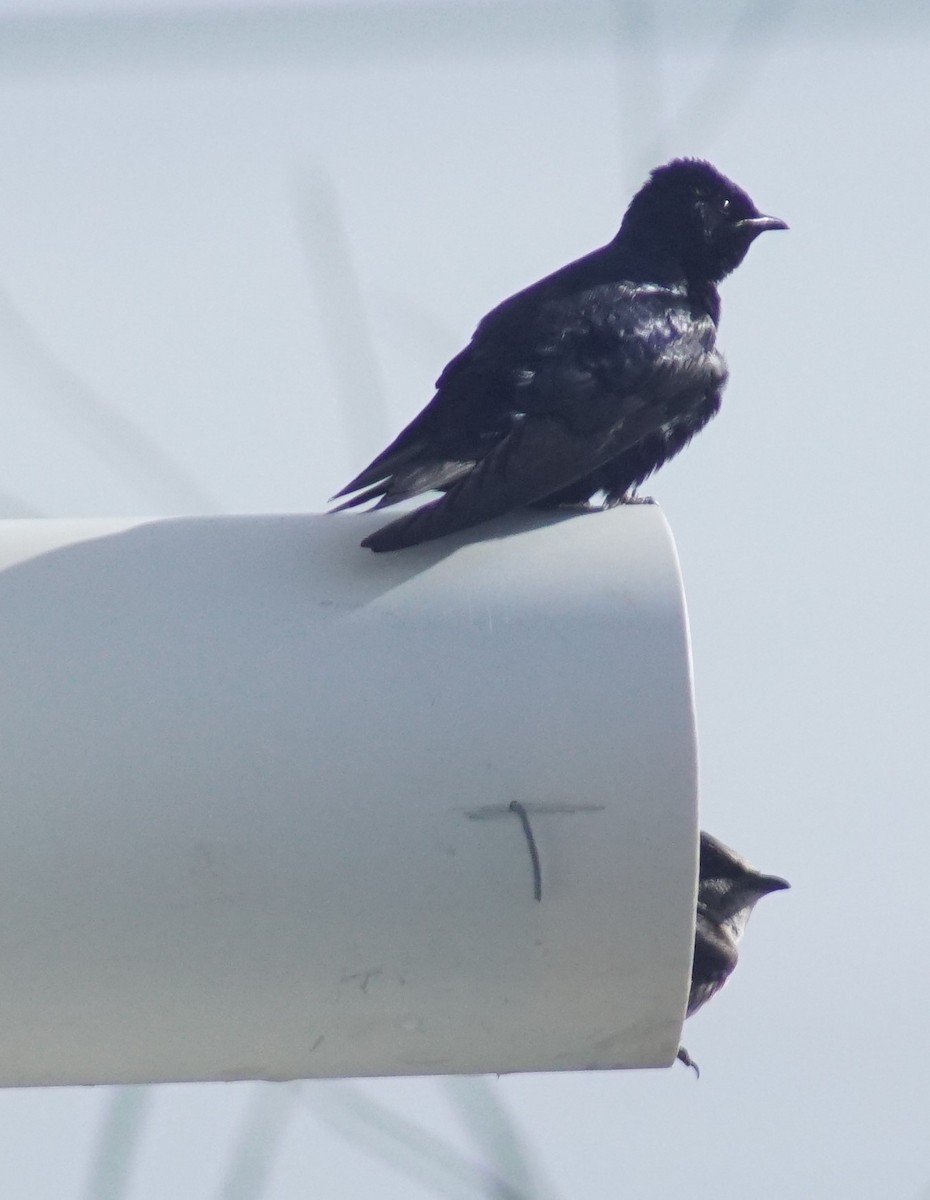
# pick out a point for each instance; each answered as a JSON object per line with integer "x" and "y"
{"x": 514, "y": 473}
{"x": 474, "y": 404}
{"x": 715, "y": 957}
{"x": 470, "y": 413}
{"x": 618, "y": 478}
{"x": 606, "y": 370}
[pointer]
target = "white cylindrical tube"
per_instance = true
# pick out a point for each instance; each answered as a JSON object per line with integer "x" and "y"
{"x": 255, "y": 795}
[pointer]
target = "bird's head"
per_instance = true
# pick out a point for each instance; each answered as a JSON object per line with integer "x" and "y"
{"x": 691, "y": 217}
{"x": 728, "y": 887}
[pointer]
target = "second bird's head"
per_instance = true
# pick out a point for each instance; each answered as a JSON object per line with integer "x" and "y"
{"x": 689, "y": 215}
{"x": 729, "y": 887}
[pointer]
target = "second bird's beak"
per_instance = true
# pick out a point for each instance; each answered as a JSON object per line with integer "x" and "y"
{"x": 760, "y": 224}
{"x": 772, "y": 883}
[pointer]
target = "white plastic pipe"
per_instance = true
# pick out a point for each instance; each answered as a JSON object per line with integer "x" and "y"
{"x": 254, "y": 790}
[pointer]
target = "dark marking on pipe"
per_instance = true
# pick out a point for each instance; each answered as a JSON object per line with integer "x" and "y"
{"x": 520, "y": 810}
{"x": 487, "y": 811}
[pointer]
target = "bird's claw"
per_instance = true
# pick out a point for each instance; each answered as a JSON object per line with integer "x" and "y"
{"x": 685, "y": 1057}
{"x": 612, "y": 500}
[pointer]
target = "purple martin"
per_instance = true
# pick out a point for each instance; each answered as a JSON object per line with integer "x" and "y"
{"x": 585, "y": 382}
{"x": 728, "y": 889}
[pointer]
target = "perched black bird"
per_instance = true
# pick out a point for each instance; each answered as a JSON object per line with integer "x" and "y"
{"x": 728, "y": 889}
{"x": 586, "y": 381}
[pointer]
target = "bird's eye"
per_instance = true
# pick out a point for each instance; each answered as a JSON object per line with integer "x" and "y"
{"x": 727, "y": 206}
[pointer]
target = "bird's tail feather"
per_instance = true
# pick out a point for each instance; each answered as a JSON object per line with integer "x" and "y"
{"x": 540, "y": 455}
{"x": 432, "y": 477}
{"x": 536, "y": 458}
{"x": 380, "y": 469}
{"x": 362, "y": 498}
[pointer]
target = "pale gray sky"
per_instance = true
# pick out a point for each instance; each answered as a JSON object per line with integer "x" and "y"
{"x": 171, "y": 216}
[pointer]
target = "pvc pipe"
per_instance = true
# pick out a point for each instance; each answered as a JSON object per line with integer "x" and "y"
{"x": 255, "y": 788}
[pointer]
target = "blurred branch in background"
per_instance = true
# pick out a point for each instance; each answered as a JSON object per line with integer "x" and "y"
{"x": 639, "y": 39}
{"x": 338, "y": 293}
{"x": 415, "y": 332}
{"x": 100, "y": 429}
{"x": 404, "y": 1145}
{"x": 270, "y": 1108}
{"x": 11, "y": 507}
{"x": 118, "y": 1143}
{"x": 741, "y": 54}
{"x": 490, "y": 1124}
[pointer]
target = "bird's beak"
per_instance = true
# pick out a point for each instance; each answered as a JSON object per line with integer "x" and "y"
{"x": 759, "y": 224}
{"x": 772, "y": 883}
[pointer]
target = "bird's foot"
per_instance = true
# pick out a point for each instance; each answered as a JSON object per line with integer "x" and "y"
{"x": 685, "y": 1057}
{"x": 548, "y": 505}
{"x": 614, "y": 499}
